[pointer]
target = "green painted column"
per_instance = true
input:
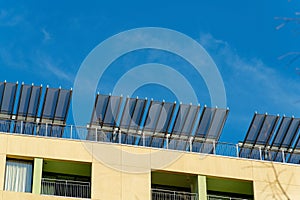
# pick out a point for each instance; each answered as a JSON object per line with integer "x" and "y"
{"x": 202, "y": 189}
{"x": 37, "y": 175}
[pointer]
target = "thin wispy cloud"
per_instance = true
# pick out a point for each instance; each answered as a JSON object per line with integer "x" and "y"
{"x": 10, "y": 18}
{"x": 53, "y": 69}
{"x": 46, "y": 35}
{"x": 252, "y": 80}
{"x": 12, "y": 56}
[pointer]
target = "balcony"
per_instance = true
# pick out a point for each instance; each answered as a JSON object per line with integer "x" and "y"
{"x": 159, "y": 194}
{"x": 66, "y": 188}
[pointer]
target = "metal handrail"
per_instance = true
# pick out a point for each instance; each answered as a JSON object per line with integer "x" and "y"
{"x": 113, "y": 135}
{"x": 68, "y": 188}
{"x": 172, "y": 191}
{"x": 162, "y": 194}
{"x": 64, "y": 180}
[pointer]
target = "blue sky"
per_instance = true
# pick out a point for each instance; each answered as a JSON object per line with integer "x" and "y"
{"x": 46, "y": 42}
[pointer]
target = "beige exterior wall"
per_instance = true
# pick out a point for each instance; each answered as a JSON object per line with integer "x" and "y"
{"x": 124, "y": 172}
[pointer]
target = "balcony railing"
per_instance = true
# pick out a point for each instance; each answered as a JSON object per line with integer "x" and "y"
{"x": 159, "y": 194}
{"x": 66, "y": 188}
{"x": 218, "y": 197}
{"x": 114, "y": 135}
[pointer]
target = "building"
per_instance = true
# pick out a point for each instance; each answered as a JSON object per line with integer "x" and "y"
{"x": 139, "y": 149}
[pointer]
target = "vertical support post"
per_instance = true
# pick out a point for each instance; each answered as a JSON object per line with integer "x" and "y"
{"x": 120, "y": 136}
{"x": 202, "y": 188}
{"x": 66, "y": 188}
{"x": 96, "y": 135}
{"x": 21, "y": 129}
{"x": 46, "y": 133}
{"x": 143, "y": 139}
{"x": 237, "y": 150}
{"x": 260, "y": 153}
{"x": 71, "y": 132}
{"x": 191, "y": 144}
{"x": 283, "y": 156}
{"x": 37, "y": 176}
{"x": 167, "y": 142}
{"x": 214, "y": 147}
{"x": 36, "y": 128}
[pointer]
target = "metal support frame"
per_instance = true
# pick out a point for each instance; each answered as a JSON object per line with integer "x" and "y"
{"x": 46, "y": 131}
{"x": 122, "y": 117}
{"x": 222, "y": 124}
{"x": 157, "y": 120}
{"x": 21, "y": 128}
{"x": 143, "y": 138}
{"x": 26, "y": 113}
{"x": 71, "y": 131}
{"x": 243, "y": 144}
{"x": 208, "y": 130}
{"x": 114, "y": 125}
{"x": 214, "y": 147}
{"x": 96, "y": 134}
{"x": 105, "y": 110}
{"x": 260, "y": 153}
{"x": 285, "y": 135}
{"x": 257, "y": 135}
{"x": 296, "y": 145}
{"x": 184, "y": 123}
{"x": 132, "y": 114}
{"x": 191, "y": 143}
{"x": 2, "y": 96}
{"x": 272, "y": 132}
{"x": 55, "y": 108}
{"x": 283, "y": 156}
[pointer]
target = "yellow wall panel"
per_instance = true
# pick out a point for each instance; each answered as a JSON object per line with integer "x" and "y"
{"x": 124, "y": 172}
{"x": 106, "y": 182}
{"x": 48, "y": 148}
{"x": 2, "y": 170}
{"x": 136, "y": 186}
{"x": 3, "y": 143}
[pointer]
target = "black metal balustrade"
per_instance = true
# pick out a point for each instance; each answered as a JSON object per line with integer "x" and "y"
{"x": 66, "y": 188}
{"x": 159, "y": 194}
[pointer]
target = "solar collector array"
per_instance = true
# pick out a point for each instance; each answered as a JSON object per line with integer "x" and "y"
{"x": 267, "y": 140}
{"x": 22, "y": 105}
{"x": 54, "y": 111}
{"x": 209, "y": 129}
{"x": 183, "y": 126}
{"x": 154, "y": 123}
{"x": 131, "y": 120}
{"x": 27, "y": 110}
{"x": 7, "y": 99}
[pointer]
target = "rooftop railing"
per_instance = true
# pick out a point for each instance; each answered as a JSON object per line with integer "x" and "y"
{"x": 66, "y": 188}
{"x": 115, "y": 135}
{"x": 159, "y": 194}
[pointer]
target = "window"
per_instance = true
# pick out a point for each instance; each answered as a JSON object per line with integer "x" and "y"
{"x": 18, "y": 175}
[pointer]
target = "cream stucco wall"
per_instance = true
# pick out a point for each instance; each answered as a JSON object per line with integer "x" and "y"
{"x": 124, "y": 172}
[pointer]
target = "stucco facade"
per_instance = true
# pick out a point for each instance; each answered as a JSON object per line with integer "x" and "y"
{"x": 124, "y": 172}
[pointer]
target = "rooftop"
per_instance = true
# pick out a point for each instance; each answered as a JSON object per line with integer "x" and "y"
{"x": 132, "y": 121}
